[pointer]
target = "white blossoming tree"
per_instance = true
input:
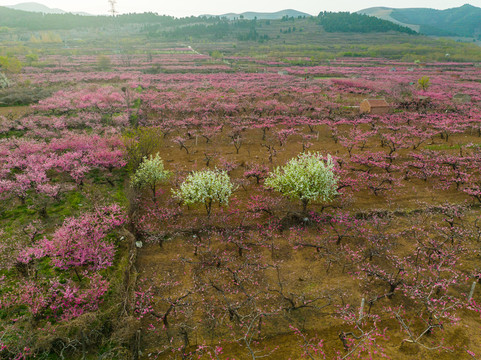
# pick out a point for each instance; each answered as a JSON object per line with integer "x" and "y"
{"x": 150, "y": 173}
{"x": 308, "y": 177}
{"x": 206, "y": 187}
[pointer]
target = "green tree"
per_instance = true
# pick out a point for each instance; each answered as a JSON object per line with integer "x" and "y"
{"x": 308, "y": 177}
{"x": 216, "y": 54}
{"x": 10, "y": 64}
{"x": 206, "y": 187}
{"x": 31, "y": 58}
{"x": 150, "y": 173}
{"x": 140, "y": 143}
{"x": 424, "y": 83}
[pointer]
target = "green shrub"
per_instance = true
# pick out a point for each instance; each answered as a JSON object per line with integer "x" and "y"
{"x": 140, "y": 143}
{"x": 424, "y": 83}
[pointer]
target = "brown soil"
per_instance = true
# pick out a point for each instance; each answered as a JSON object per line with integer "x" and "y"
{"x": 304, "y": 271}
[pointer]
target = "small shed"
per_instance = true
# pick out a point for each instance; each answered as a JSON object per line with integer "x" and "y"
{"x": 374, "y": 106}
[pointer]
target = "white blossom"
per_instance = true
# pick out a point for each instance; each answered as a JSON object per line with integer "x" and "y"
{"x": 206, "y": 187}
{"x": 308, "y": 178}
{"x": 150, "y": 173}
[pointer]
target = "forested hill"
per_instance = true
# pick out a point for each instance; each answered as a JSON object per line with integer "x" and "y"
{"x": 461, "y": 21}
{"x": 347, "y": 22}
{"x": 38, "y": 21}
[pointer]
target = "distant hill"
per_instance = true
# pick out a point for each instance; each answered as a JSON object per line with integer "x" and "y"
{"x": 40, "y": 8}
{"x": 36, "y": 7}
{"x": 250, "y": 15}
{"x": 462, "y": 21}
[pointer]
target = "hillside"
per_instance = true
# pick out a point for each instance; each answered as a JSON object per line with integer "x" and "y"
{"x": 206, "y": 24}
{"x": 360, "y": 23}
{"x": 384, "y": 13}
{"x": 38, "y": 21}
{"x": 461, "y": 21}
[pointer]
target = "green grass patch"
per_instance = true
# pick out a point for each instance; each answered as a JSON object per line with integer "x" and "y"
{"x": 17, "y": 214}
{"x": 438, "y": 147}
{"x": 68, "y": 206}
{"x": 329, "y": 76}
{"x": 451, "y": 146}
{"x": 12, "y": 133}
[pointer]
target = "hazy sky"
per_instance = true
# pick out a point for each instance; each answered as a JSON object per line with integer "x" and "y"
{"x": 197, "y": 7}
